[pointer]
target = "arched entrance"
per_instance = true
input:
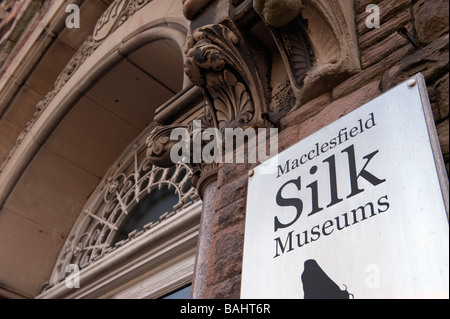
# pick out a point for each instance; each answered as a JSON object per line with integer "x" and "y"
{"x": 106, "y": 97}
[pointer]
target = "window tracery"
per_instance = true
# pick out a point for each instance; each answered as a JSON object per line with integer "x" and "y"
{"x": 127, "y": 185}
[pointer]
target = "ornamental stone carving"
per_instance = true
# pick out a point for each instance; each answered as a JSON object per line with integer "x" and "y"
{"x": 294, "y": 47}
{"x": 159, "y": 151}
{"x": 159, "y": 145}
{"x": 107, "y": 21}
{"x": 316, "y": 39}
{"x": 329, "y": 30}
{"x": 219, "y": 62}
{"x": 116, "y": 14}
{"x": 122, "y": 189}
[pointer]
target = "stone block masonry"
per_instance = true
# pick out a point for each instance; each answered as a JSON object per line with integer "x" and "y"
{"x": 387, "y": 59}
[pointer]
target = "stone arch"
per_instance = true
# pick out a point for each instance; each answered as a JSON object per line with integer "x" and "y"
{"x": 74, "y": 136}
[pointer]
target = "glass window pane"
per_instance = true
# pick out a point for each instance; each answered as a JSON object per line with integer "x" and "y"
{"x": 184, "y": 293}
{"x": 150, "y": 209}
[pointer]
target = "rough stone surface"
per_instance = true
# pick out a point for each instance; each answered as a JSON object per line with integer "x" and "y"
{"x": 226, "y": 254}
{"x": 442, "y": 96}
{"x": 387, "y": 59}
{"x": 370, "y": 73}
{"x": 431, "y": 18}
{"x": 382, "y": 49}
{"x": 443, "y": 133}
{"x": 231, "y": 192}
{"x": 199, "y": 288}
{"x": 307, "y": 111}
{"x": 230, "y": 171}
{"x": 432, "y": 61}
{"x": 368, "y": 37}
{"x": 227, "y": 289}
{"x": 229, "y": 215}
{"x": 339, "y": 108}
{"x": 288, "y": 137}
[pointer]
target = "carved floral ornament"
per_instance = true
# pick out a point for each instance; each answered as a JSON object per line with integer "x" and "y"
{"x": 116, "y": 15}
{"x": 217, "y": 61}
{"x": 318, "y": 53}
{"x": 316, "y": 39}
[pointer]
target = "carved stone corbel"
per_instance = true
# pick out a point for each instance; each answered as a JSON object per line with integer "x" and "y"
{"x": 159, "y": 146}
{"x": 328, "y": 29}
{"x": 295, "y": 50}
{"x": 220, "y": 63}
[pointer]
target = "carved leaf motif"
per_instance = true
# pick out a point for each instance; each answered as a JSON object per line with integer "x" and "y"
{"x": 209, "y": 118}
{"x": 212, "y": 48}
{"x": 217, "y": 64}
{"x": 297, "y": 51}
{"x": 136, "y": 5}
{"x": 232, "y": 101}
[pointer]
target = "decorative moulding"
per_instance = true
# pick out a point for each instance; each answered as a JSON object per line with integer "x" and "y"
{"x": 219, "y": 62}
{"x": 330, "y": 32}
{"x": 84, "y": 68}
{"x": 127, "y": 182}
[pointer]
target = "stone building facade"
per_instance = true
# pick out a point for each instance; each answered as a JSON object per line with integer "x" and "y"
{"x": 86, "y": 114}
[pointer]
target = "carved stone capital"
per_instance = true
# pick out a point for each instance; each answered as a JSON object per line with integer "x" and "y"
{"x": 219, "y": 62}
{"x": 159, "y": 147}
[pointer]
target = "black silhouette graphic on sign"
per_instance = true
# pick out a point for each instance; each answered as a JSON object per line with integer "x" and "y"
{"x": 317, "y": 284}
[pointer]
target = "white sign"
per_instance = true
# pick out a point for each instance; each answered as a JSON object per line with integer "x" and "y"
{"x": 355, "y": 210}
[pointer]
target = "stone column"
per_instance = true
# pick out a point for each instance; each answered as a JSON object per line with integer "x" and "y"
{"x": 204, "y": 241}
{"x": 159, "y": 148}
{"x": 235, "y": 87}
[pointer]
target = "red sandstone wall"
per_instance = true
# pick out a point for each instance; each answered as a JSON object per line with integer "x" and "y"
{"x": 387, "y": 59}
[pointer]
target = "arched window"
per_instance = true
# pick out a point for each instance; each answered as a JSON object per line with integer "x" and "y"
{"x": 141, "y": 218}
{"x": 148, "y": 211}
{"x": 136, "y": 235}
{"x": 183, "y": 293}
